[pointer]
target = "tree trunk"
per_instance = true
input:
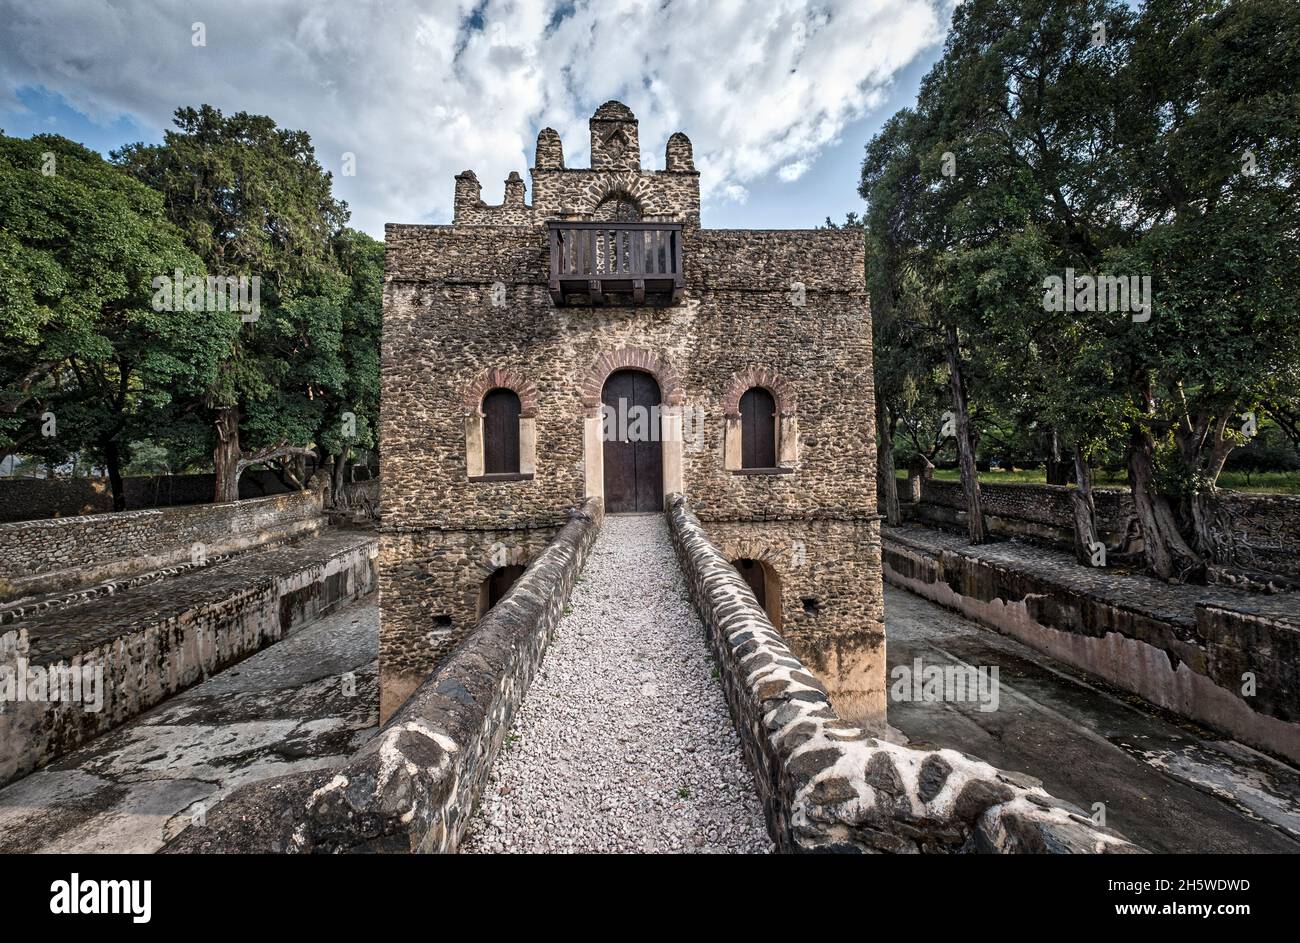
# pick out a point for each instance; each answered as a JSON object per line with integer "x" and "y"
{"x": 226, "y": 456}
{"x": 1205, "y": 448}
{"x": 886, "y": 473}
{"x": 1085, "y": 509}
{"x": 1057, "y": 470}
{"x": 965, "y": 450}
{"x": 340, "y": 466}
{"x": 292, "y": 472}
{"x": 113, "y": 462}
{"x": 1167, "y": 554}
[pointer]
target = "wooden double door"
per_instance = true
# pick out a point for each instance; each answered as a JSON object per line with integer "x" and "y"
{"x": 633, "y": 454}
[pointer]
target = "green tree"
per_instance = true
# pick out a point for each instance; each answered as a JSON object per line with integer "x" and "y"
{"x": 252, "y": 201}
{"x": 1210, "y": 153}
{"x": 351, "y": 415}
{"x": 1074, "y": 134}
{"x": 87, "y": 355}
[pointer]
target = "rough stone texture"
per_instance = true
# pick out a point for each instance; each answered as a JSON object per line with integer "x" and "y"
{"x": 821, "y": 568}
{"x": 787, "y": 306}
{"x": 825, "y": 785}
{"x": 1184, "y": 648}
{"x": 29, "y": 499}
{"x": 1266, "y": 527}
{"x": 623, "y": 742}
{"x": 64, "y": 553}
{"x": 412, "y": 788}
{"x": 362, "y": 494}
{"x": 155, "y": 639}
{"x": 433, "y": 579}
{"x": 306, "y": 703}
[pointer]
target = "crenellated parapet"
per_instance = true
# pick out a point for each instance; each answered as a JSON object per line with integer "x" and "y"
{"x": 614, "y": 188}
{"x": 470, "y": 210}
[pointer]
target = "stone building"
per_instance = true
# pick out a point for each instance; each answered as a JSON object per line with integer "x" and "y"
{"x": 598, "y": 342}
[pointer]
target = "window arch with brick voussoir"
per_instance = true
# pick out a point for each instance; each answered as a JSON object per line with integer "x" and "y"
{"x": 500, "y": 409}
{"x": 762, "y": 428}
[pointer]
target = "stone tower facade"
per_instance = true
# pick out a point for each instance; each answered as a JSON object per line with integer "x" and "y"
{"x": 511, "y": 335}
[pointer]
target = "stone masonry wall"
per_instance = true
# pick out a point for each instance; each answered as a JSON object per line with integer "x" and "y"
{"x": 62, "y": 553}
{"x": 1187, "y": 649}
{"x": 1266, "y": 527}
{"x": 1039, "y": 511}
{"x": 29, "y": 499}
{"x": 827, "y": 787}
{"x": 789, "y": 306}
{"x": 442, "y": 334}
{"x": 412, "y": 788}
{"x": 826, "y": 570}
{"x": 431, "y": 580}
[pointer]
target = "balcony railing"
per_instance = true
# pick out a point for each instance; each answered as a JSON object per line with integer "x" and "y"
{"x": 615, "y": 262}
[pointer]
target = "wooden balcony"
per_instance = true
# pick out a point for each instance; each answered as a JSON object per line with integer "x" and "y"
{"x": 615, "y": 263}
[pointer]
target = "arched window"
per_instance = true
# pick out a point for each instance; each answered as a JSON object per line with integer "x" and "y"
{"x": 492, "y": 589}
{"x": 757, "y": 429}
{"x": 501, "y": 432}
{"x": 766, "y": 585}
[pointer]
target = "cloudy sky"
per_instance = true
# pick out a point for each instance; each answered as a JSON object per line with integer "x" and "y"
{"x": 778, "y": 96}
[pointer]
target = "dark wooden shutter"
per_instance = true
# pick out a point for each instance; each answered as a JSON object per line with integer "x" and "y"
{"x": 500, "y": 432}
{"x": 757, "y": 429}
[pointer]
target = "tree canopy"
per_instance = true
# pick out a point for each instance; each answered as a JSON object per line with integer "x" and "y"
{"x": 1141, "y": 165}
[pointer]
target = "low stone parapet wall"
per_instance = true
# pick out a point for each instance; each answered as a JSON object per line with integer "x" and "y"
{"x": 1221, "y": 656}
{"x": 1042, "y": 512}
{"x": 825, "y": 785}
{"x": 1265, "y": 527}
{"x": 413, "y": 787}
{"x": 86, "y": 669}
{"x": 65, "y": 553}
{"x": 26, "y": 499}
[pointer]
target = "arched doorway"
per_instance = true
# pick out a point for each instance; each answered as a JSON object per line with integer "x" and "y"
{"x": 498, "y": 583}
{"x": 765, "y": 583}
{"x": 632, "y": 452}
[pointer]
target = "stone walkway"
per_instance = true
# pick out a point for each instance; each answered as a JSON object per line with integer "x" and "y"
{"x": 624, "y": 742}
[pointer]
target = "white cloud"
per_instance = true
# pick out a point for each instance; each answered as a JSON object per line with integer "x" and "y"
{"x": 420, "y": 91}
{"x": 791, "y": 172}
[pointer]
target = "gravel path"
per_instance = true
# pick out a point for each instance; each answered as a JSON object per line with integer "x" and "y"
{"x": 623, "y": 743}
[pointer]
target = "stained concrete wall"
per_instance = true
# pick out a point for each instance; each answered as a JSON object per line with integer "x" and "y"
{"x": 141, "y": 659}
{"x": 1230, "y": 659}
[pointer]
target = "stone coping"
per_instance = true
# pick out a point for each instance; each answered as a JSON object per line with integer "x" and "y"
{"x": 60, "y": 633}
{"x": 1174, "y": 603}
{"x": 826, "y": 785}
{"x": 413, "y": 787}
